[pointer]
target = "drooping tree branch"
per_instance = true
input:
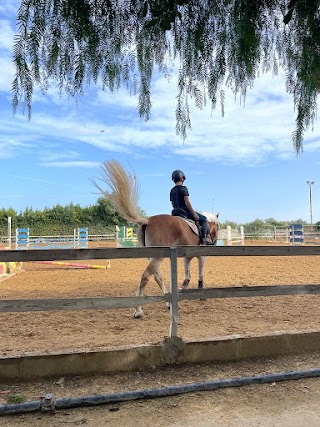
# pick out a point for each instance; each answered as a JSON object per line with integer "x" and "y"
{"x": 217, "y": 43}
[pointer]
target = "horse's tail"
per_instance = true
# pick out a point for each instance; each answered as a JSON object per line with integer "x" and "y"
{"x": 124, "y": 194}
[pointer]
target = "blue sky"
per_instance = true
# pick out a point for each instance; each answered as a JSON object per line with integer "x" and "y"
{"x": 243, "y": 165}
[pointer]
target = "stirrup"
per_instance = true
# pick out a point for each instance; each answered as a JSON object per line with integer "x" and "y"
{"x": 207, "y": 242}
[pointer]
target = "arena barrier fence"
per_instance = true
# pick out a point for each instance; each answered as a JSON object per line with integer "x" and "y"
{"x": 173, "y": 297}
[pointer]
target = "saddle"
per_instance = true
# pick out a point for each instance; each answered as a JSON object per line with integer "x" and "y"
{"x": 194, "y": 225}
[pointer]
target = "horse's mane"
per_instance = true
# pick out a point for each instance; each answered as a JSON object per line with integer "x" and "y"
{"x": 211, "y": 217}
{"x": 124, "y": 194}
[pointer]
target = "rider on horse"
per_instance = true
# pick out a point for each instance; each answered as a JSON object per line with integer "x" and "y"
{"x": 179, "y": 197}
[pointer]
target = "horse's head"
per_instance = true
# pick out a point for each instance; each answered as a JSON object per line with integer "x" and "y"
{"x": 213, "y": 220}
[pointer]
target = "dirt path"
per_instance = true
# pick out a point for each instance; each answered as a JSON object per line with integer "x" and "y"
{"x": 283, "y": 404}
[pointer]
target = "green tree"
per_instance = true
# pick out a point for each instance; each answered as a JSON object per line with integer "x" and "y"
{"x": 255, "y": 227}
{"x": 226, "y": 223}
{"x": 272, "y": 222}
{"x": 216, "y": 43}
{"x": 105, "y": 213}
{"x": 298, "y": 221}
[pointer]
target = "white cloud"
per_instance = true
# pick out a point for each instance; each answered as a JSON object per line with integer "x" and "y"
{"x": 29, "y": 178}
{"x": 47, "y": 156}
{"x": 80, "y": 164}
{"x": 245, "y": 135}
{"x": 120, "y": 98}
{"x": 9, "y": 8}
{"x": 6, "y": 35}
{"x": 6, "y": 65}
{"x": 6, "y": 77}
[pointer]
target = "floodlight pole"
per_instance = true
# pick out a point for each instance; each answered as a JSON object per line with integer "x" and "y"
{"x": 310, "y": 183}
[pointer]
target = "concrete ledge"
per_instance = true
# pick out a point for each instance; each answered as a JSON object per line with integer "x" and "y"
{"x": 176, "y": 351}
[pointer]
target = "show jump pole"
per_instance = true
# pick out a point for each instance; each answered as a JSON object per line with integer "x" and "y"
{"x": 72, "y": 264}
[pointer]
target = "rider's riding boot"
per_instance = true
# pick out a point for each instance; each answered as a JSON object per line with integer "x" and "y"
{"x": 207, "y": 241}
{"x": 205, "y": 238}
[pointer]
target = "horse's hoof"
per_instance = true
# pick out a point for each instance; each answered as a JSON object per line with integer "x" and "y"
{"x": 138, "y": 315}
{"x": 184, "y": 285}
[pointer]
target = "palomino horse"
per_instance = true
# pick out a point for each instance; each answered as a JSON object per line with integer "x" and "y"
{"x": 157, "y": 230}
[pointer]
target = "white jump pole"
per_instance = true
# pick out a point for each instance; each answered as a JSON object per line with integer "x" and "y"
{"x": 9, "y": 232}
{"x": 117, "y": 235}
{"x": 242, "y": 235}
{"x": 229, "y": 236}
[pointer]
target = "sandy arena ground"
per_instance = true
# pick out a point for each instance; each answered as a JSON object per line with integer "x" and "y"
{"x": 289, "y": 404}
{"x": 70, "y": 330}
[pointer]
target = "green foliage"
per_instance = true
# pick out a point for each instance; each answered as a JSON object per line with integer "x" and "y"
{"x": 217, "y": 43}
{"x": 16, "y": 398}
{"x": 227, "y": 223}
{"x": 275, "y": 223}
{"x": 63, "y": 219}
{"x": 255, "y": 226}
{"x": 259, "y": 227}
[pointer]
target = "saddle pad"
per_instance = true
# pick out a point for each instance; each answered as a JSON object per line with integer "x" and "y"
{"x": 191, "y": 224}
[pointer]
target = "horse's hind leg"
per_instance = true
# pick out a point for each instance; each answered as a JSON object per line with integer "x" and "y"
{"x": 187, "y": 275}
{"x": 158, "y": 278}
{"x": 152, "y": 268}
{"x": 201, "y": 263}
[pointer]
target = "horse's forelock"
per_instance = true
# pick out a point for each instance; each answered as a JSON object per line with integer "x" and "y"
{"x": 211, "y": 217}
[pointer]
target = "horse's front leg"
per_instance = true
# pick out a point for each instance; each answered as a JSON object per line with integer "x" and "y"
{"x": 187, "y": 276}
{"x": 201, "y": 263}
{"x": 151, "y": 269}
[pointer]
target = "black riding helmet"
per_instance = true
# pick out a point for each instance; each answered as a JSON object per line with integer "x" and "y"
{"x": 178, "y": 175}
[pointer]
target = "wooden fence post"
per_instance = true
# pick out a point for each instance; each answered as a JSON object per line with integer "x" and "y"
{"x": 174, "y": 293}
